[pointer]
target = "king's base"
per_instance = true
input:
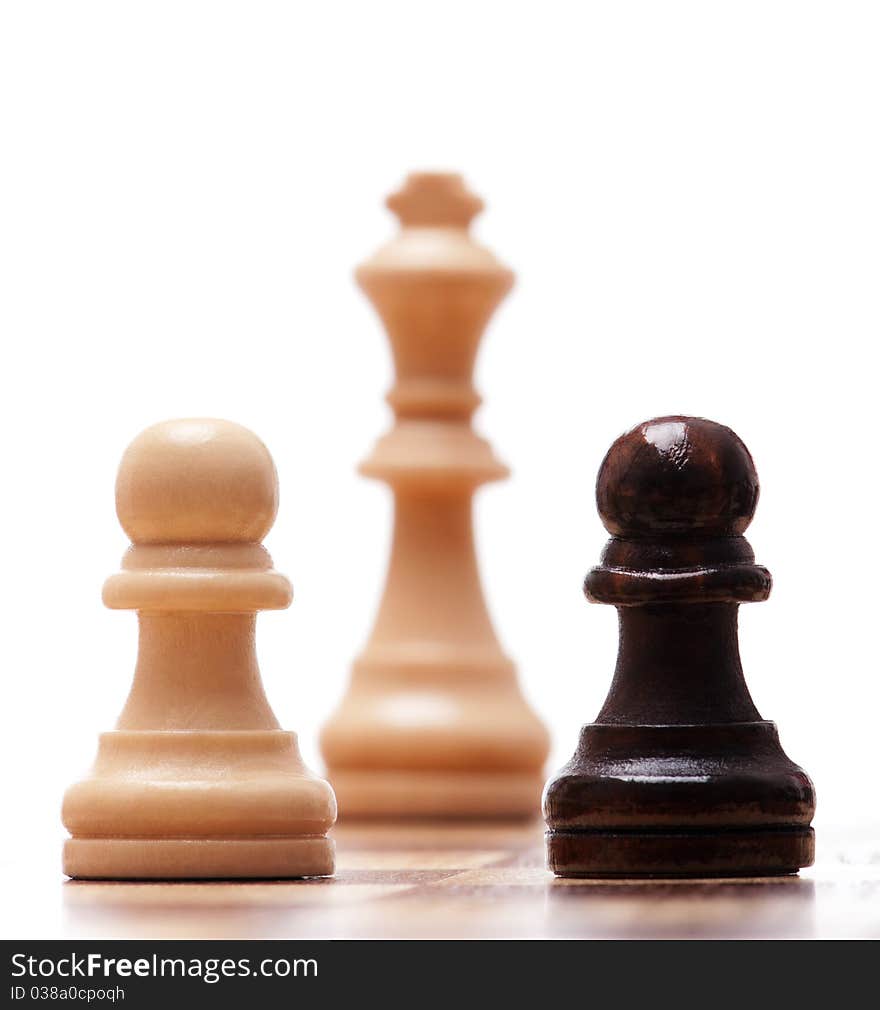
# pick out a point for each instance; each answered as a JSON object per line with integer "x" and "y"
{"x": 383, "y": 793}
{"x": 733, "y": 853}
{"x": 198, "y": 858}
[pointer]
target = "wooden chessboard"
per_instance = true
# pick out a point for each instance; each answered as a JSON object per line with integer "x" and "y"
{"x": 458, "y": 881}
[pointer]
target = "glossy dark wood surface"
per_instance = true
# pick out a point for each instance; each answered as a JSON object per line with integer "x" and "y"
{"x": 679, "y": 775}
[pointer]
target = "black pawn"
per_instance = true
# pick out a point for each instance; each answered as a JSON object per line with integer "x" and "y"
{"x": 678, "y": 775}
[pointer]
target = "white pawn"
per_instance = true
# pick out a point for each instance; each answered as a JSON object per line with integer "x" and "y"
{"x": 197, "y": 779}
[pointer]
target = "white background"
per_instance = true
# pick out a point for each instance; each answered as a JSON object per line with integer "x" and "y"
{"x": 690, "y": 196}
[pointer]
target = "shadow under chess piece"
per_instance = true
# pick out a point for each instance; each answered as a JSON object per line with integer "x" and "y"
{"x": 197, "y": 780}
{"x": 433, "y": 722}
{"x": 679, "y": 775}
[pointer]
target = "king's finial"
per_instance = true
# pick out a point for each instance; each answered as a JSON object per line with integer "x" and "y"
{"x": 434, "y": 200}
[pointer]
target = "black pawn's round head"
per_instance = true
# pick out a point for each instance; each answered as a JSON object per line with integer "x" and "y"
{"x": 677, "y": 475}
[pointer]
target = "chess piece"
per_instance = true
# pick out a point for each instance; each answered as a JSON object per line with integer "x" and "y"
{"x": 197, "y": 780}
{"x": 433, "y": 722}
{"x": 679, "y": 775}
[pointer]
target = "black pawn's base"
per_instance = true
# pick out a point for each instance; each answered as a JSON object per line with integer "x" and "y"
{"x": 679, "y": 801}
{"x": 603, "y": 854}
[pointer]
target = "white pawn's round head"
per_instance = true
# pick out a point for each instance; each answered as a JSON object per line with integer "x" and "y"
{"x": 197, "y": 481}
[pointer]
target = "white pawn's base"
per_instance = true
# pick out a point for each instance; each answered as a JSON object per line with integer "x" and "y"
{"x": 197, "y": 858}
{"x": 200, "y": 804}
{"x": 383, "y": 793}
